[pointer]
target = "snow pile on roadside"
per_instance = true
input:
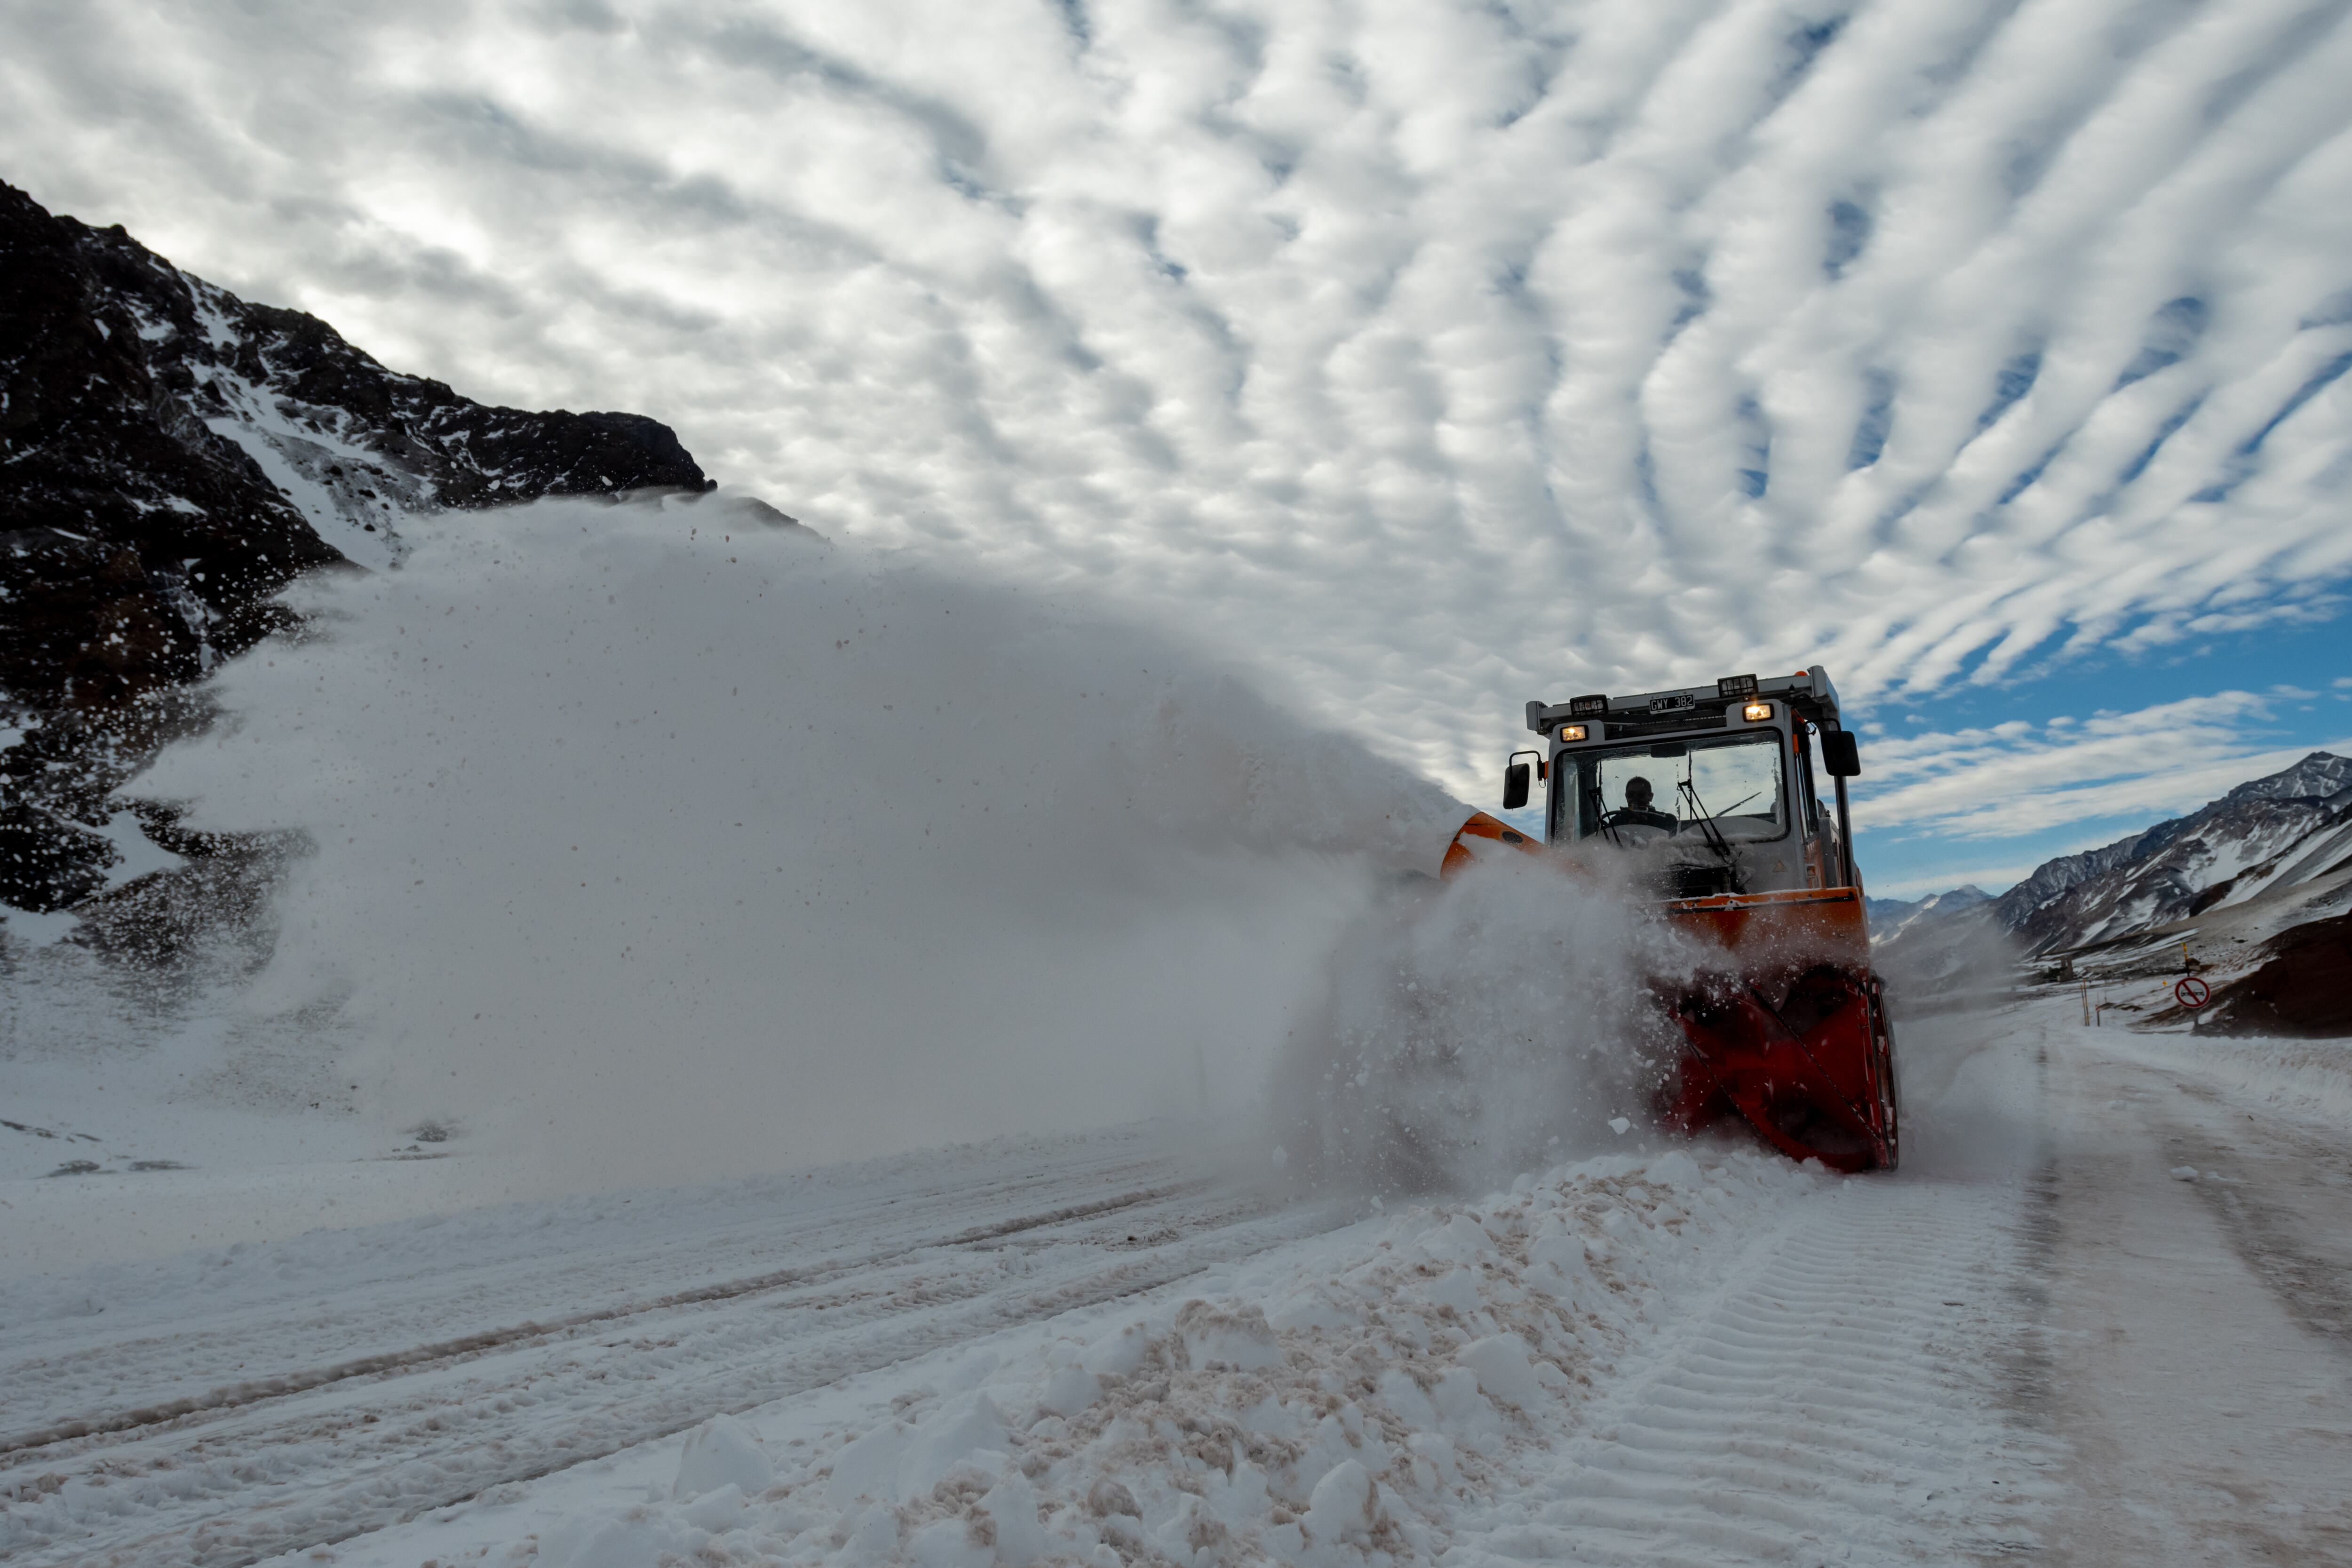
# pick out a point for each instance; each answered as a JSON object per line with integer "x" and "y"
{"x": 2310, "y": 1077}
{"x": 1338, "y": 1402}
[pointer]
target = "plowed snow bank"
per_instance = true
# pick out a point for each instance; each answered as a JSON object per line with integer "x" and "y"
{"x": 1329, "y": 1400}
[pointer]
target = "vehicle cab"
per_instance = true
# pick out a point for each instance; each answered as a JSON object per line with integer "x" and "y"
{"x": 1714, "y": 788}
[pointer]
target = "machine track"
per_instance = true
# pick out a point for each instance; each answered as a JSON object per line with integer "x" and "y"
{"x": 278, "y": 1385}
{"x": 1832, "y": 1397}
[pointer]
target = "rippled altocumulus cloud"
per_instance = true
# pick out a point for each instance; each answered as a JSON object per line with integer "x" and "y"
{"x": 1431, "y": 356}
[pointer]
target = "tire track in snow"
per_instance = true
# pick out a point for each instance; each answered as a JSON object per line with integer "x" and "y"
{"x": 236, "y": 1485}
{"x": 407, "y": 1284}
{"x": 2304, "y": 1264}
{"x": 1837, "y": 1399}
{"x": 252, "y": 1390}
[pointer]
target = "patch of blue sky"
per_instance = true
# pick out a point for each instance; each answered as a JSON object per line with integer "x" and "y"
{"x": 2013, "y": 381}
{"x": 2172, "y": 331}
{"x": 2303, "y": 669}
{"x": 1755, "y": 475}
{"x": 1850, "y": 226}
{"x": 1877, "y": 418}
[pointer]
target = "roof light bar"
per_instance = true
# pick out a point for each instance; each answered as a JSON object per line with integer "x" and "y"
{"x": 1589, "y": 707}
{"x": 1731, "y": 687}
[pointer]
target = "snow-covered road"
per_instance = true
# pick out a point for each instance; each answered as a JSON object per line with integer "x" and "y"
{"x": 2199, "y": 1273}
{"x": 2102, "y": 1316}
{"x": 227, "y": 1406}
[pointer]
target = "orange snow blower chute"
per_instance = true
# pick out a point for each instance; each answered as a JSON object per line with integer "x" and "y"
{"x": 1706, "y": 796}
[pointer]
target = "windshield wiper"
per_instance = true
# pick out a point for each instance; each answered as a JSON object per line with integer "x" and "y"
{"x": 1714, "y": 834}
{"x": 1601, "y": 814}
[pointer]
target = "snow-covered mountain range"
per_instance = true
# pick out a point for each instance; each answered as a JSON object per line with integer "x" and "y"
{"x": 2264, "y": 871}
{"x": 2267, "y": 836}
{"x": 175, "y": 456}
{"x": 1890, "y": 917}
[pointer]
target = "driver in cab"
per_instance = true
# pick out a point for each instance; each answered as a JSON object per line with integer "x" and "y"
{"x": 1637, "y": 811}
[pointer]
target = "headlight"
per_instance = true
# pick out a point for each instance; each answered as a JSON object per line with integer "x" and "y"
{"x": 1757, "y": 713}
{"x": 1568, "y": 732}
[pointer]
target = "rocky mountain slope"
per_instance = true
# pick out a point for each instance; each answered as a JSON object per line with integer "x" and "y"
{"x": 2300, "y": 983}
{"x": 175, "y": 456}
{"x": 2255, "y": 839}
{"x": 2257, "y": 882}
{"x": 1890, "y": 917}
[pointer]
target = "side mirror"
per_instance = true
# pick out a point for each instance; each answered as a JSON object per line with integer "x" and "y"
{"x": 1515, "y": 786}
{"x": 1838, "y": 754}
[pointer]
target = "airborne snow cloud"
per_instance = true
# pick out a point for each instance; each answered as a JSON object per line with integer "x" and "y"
{"x": 661, "y": 850}
{"x": 1428, "y": 356}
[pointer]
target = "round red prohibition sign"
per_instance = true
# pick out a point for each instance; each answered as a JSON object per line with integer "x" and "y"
{"x": 2193, "y": 993}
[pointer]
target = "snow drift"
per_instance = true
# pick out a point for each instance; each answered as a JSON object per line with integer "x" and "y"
{"x": 1371, "y": 1395}
{"x": 666, "y": 843}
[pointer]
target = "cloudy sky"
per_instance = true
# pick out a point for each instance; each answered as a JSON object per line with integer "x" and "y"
{"x": 1427, "y": 355}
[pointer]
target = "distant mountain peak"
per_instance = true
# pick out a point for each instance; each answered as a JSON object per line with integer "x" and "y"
{"x": 2316, "y": 776}
{"x": 1889, "y": 918}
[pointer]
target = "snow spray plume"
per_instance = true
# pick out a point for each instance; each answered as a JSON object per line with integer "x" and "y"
{"x": 660, "y": 842}
{"x": 1951, "y": 986}
{"x": 1493, "y": 1025}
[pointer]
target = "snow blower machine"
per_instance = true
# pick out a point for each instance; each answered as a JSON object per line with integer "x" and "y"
{"x": 1703, "y": 800}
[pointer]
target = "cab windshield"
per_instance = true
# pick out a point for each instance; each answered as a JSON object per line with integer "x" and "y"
{"x": 1668, "y": 790}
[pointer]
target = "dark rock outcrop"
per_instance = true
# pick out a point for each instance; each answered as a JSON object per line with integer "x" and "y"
{"x": 2304, "y": 987}
{"x": 174, "y": 457}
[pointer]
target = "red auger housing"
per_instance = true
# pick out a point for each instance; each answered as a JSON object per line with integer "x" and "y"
{"x": 1707, "y": 798}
